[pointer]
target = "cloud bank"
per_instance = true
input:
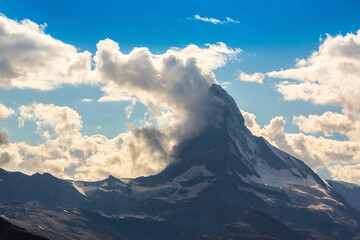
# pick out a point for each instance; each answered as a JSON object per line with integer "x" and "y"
{"x": 66, "y": 153}
{"x": 173, "y": 86}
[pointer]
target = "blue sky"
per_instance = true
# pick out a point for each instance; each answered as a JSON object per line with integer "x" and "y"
{"x": 271, "y": 34}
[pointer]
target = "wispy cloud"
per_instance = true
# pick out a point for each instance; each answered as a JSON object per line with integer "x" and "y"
{"x": 214, "y": 20}
{"x": 86, "y": 100}
{"x": 230, "y": 20}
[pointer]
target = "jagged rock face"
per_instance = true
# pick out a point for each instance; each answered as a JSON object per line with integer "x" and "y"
{"x": 216, "y": 176}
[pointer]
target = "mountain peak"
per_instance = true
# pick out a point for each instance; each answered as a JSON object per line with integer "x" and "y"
{"x": 230, "y": 111}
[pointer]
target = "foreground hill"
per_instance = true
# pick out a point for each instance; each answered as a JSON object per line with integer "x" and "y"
{"x": 10, "y": 231}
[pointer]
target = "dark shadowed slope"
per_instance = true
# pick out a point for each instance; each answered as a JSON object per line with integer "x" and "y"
{"x": 256, "y": 225}
{"x": 10, "y": 231}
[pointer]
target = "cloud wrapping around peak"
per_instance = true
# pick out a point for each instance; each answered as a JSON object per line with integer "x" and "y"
{"x": 173, "y": 86}
{"x": 29, "y": 58}
{"x": 215, "y": 21}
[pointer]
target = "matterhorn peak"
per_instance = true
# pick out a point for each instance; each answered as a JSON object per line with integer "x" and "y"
{"x": 231, "y": 112}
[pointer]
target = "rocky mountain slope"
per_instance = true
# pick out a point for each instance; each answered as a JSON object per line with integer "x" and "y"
{"x": 9, "y": 231}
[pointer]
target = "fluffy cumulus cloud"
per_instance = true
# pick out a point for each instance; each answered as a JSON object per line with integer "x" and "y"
{"x": 63, "y": 121}
{"x": 29, "y": 58}
{"x": 255, "y": 77}
{"x": 329, "y": 123}
{"x": 329, "y": 76}
{"x": 347, "y": 173}
{"x": 66, "y": 153}
{"x": 5, "y": 112}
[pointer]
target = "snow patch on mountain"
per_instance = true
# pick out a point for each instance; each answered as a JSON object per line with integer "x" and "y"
{"x": 347, "y": 184}
{"x": 321, "y": 207}
{"x": 277, "y": 178}
{"x": 84, "y": 190}
{"x": 186, "y": 193}
{"x": 184, "y": 187}
{"x": 194, "y": 172}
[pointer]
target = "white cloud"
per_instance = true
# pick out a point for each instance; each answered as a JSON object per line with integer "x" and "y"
{"x": 230, "y": 20}
{"x": 314, "y": 151}
{"x": 115, "y": 94}
{"x": 5, "y": 112}
{"x": 173, "y": 85}
{"x": 329, "y": 123}
{"x": 347, "y": 173}
{"x": 129, "y": 109}
{"x": 29, "y": 58}
{"x": 206, "y": 19}
{"x": 86, "y": 100}
{"x": 215, "y": 21}
{"x": 69, "y": 154}
{"x": 330, "y": 75}
{"x": 209, "y": 58}
{"x": 64, "y": 121}
{"x": 255, "y": 77}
